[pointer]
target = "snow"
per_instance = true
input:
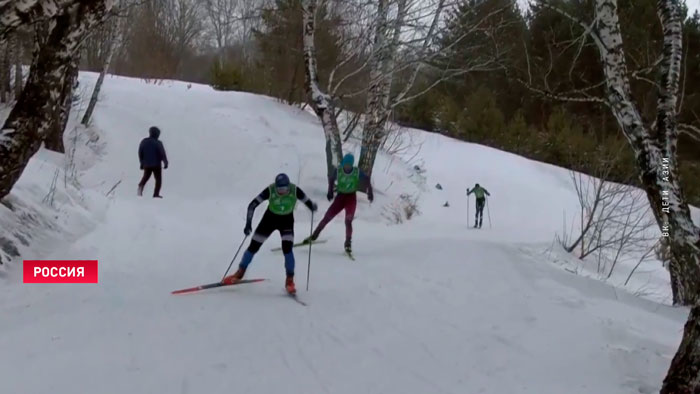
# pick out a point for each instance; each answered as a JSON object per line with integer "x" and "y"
{"x": 429, "y": 306}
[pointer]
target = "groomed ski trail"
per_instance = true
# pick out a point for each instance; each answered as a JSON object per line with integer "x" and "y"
{"x": 428, "y": 307}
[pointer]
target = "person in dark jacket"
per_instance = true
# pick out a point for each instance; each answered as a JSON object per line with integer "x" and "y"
{"x": 151, "y": 155}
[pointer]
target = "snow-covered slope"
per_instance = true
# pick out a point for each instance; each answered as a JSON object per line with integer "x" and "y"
{"x": 428, "y": 307}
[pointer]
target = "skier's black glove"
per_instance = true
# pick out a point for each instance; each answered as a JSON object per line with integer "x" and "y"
{"x": 329, "y": 196}
{"x": 314, "y": 207}
{"x": 166, "y": 166}
{"x": 370, "y": 197}
{"x": 248, "y": 229}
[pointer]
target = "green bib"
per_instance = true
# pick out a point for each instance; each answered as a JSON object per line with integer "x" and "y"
{"x": 282, "y": 204}
{"x": 479, "y": 192}
{"x": 348, "y": 183}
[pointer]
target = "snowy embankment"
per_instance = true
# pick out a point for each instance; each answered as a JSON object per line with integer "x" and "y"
{"x": 429, "y": 306}
{"x": 48, "y": 207}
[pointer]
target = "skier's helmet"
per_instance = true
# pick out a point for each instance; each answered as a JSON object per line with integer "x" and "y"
{"x": 282, "y": 183}
{"x": 348, "y": 161}
{"x": 477, "y": 185}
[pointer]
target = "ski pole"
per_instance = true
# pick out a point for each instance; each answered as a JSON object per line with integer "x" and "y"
{"x": 488, "y": 211}
{"x": 308, "y": 268}
{"x": 468, "y": 217}
{"x": 234, "y": 258}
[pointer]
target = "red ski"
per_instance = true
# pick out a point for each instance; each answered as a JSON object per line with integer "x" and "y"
{"x": 213, "y": 285}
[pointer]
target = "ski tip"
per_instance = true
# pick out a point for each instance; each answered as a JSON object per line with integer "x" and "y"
{"x": 183, "y": 291}
{"x": 216, "y": 284}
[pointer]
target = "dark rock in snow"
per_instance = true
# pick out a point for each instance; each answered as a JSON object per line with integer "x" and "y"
{"x": 8, "y": 247}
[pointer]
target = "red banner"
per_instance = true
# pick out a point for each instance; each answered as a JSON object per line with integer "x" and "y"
{"x": 60, "y": 271}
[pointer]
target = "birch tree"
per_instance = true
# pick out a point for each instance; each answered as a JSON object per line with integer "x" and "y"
{"x": 345, "y": 57}
{"x": 5, "y": 93}
{"x": 28, "y": 123}
{"x": 59, "y": 120}
{"x": 395, "y": 51}
{"x": 383, "y": 60}
{"x": 654, "y": 144}
{"x": 321, "y": 102}
{"x": 19, "y": 83}
{"x": 114, "y": 39}
{"x": 15, "y": 13}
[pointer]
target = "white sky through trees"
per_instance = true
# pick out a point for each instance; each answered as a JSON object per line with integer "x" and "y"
{"x": 693, "y": 5}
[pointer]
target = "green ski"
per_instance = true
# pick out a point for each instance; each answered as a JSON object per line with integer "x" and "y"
{"x": 302, "y": 244}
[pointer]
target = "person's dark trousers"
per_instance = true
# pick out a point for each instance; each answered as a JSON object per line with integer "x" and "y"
{"x": 157, "y": 173}
{"x": 480, "y": 202}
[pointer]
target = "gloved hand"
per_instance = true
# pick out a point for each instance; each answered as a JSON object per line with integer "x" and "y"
{"x": 166, "y": 166}
{"x": 370, "y": 197}
{"x": 314, "y": 207}
{"x": 329, "y": 196}
{"x": 248, "y": 229}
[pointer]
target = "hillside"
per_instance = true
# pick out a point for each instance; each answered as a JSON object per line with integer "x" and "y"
{"x": 430, "y": 306}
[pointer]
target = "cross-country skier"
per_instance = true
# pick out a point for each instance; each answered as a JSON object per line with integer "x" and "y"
{"x": 348, "y": 178}
{"x": 151, "y": 154}
{"x": 480, "y": 202}
{"x": 282, "y": 197}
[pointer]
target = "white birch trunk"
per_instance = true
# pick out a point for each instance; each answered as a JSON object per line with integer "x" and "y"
{"x": 320, "y": 101}
{"x": 382, "y": 66}
{"x": 15, "y": 13}
{"x": 114, "y": 40}
{"x": 4, "y": 73}
{"x": 656, "y": 157}
{"x": 30, "y": 119}
{"x": 18, "y": 65}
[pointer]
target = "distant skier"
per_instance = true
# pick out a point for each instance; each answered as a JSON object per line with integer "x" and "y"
{"x": 151, "y": 154}
{"x": 348, "y": 178}
{"x": 480, "y": 202}
{"x": 282, "y": 196}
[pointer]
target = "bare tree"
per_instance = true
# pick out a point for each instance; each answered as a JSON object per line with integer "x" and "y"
{"x": 615, "y": 222}
{"x": 321, "y": 102}
{"x": 182, "y": 23}
{"x": 5, "y": 74}
{"x": 29, "y": 121}
{"x": 222, "y": 15}
{"x": 14, "y": 13}
{"x": 655, "y": 151}
{"x": 654, "y": 146}
{"x": 249, "y": 14}
{"x": 57, "y": 125}
{"x": 159, "y": 39}
{"x": 395, "y": 52}
{"x": 383, "y": 59}
{"x": 18, "y": 85}
{"x": 114, "y": 39}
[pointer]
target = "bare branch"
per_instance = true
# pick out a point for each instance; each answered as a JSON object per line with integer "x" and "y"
{"x": 690, "y": 130}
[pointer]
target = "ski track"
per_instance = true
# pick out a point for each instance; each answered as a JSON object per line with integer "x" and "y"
{"x": 434, "y": 309}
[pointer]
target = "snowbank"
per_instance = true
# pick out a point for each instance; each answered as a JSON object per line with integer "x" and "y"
{"x": 430, "y": 306}
{"x": 48, "y": 207}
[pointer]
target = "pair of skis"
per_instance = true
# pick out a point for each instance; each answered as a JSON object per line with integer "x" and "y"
{"x": 240, "y": 282}
{"x": 347, "y": 253}
{"x": 320, "y": 241}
